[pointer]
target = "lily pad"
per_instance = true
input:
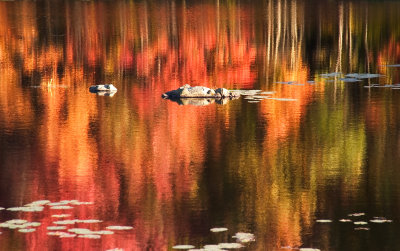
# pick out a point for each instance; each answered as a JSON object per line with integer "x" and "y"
{"x": 32, "y": 224}
{"x": 103, "y": 232}
{"x": 90, "y": 236}
{"x": 17, "y": 221}
{"x": 77, "y": 203}
{"x": 391, "y": 65}
{"x": 286, "y": 82}
{"x": 357, "y": 214}
{"x": 56, "y": 228}
{"x": 331, "y": 75}
{"x": 56, "y": 204}
{"x": 60, "y": 215}
{"x": 80, "y": 231}
{"x": 56, "y": 233}
{"x": 26, "y": 230}
{"x": 380, "y": 220}
{"x": 67, "y": 235}
{"x": 61, "y": 207}
{"x": 244, "y": 237}
{"x": 119, "y": 227}
{"x": 212, "y": 247}
{"x": 218, "y": 229}
{"x": 363, "y": 75}
{"x": 360, "y": 223}
{"x": 349, "y": 80}
{"x": 361, "y": 228}
{"x": 324, "y": 221}
{"x": 88, "y": 221}
{"x": 64, "y": 222}
{"x": 230, "y": 245}
{"x": 183, "y": 247}
{"x": 40, "y": 202}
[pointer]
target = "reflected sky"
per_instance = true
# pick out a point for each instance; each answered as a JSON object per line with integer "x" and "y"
{"x": 320, "y": 148}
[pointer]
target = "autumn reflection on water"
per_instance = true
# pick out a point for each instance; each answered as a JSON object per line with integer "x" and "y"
{"x": 173, "y": 172}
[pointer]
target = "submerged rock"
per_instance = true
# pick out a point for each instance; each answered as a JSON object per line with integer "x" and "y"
{"x": 103, "y": 90}
{"x": 188, "y": 91}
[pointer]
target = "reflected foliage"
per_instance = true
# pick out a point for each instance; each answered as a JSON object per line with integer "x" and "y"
{"x": 173, "y": 172}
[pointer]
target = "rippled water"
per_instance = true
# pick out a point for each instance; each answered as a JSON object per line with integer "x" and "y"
{"x": 315, "y": 152}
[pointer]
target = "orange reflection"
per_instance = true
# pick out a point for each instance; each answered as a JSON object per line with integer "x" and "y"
{"x": 137, "y": 156}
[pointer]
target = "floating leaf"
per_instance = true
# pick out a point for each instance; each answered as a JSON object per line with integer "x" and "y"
{"x": 380, "y": 220}
{"x": 230, "y": 245}
{"x": 60, "y": 215}
{"x": 362, "y": 75}
{"x": 330, "y": 75}
{"x": 57, "y": 233}
{"x": 360, "y": 223}
{"x": 90, "y": 236}
{"x": 61, "y": 207}
{"x": 361, "y": 228}
{"x": 56, "y": 204}
{"x": 183, "y": 247}
{"x": 69, "y": 201}
{"x": 211, "y": 247}
{"x": 32, "y": 209}
{"x": 40, "y": 202}
{"x": 345, "y": 220}
{"x": 244, "y": 237}
{"x": 357, "y": 214}
{"x": 286, "y": 82}
{"x": 26, "y": 230}
{"x": 56, "y": 228}
{"x": 67, "y": 235}
{"x": 15, "y": 209}
{"x": 119, "y": 227}
{"x": 391, "y": 65}
{"x": 2, "y": 208}
{"x": 218, "y": 229}
{"x": 103, "y": 232}
{"x": 33, "y": 224}
{"x": 261, "y": 97}
{"x": 88, "y": 221}
{"x": 17, "y": 221}
{"x": 64, "y": 222}
{"x": 80, "y": 231}
{"x": 324, "y": 221}
{"x": 349, "y": 80}
{"x": 77, "y": 203}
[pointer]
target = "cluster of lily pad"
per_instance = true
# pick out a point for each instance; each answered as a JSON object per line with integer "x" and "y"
{"x": 350, "y": 77}
{"x": 359, "y": 224}
{"x": 241, "y": 239}
{"x": 59, "y": 228}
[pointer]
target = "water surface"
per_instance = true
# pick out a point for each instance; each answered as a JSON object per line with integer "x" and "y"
{"x": 319, "y": 149}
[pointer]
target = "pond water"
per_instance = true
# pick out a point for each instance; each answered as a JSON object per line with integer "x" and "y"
{"x": 310, "y": 161}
